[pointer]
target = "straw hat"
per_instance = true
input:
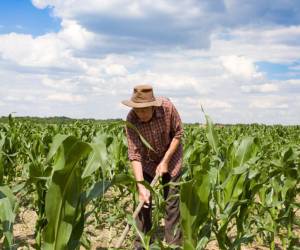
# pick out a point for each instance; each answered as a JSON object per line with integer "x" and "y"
{"x": 142, "y": 97}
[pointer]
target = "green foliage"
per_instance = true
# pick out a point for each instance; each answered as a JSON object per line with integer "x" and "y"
{"x": 8, "y": 206}
{"x": 240, "y": 183}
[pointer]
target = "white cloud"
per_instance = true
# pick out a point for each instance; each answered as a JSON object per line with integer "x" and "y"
{"x": 239, "y": 66}
{"x": 263, "y": 88}
{"x": 186, "y": 24}
{"x": 127, "y": 8}
{"x": 208, "y": 103}
{"x": 257, "y": 44}
{"x": 295, "y": 82}
{"x": 195, "y": 52}
{"x": 272, "y": 35}
{"x": 49, "y": 50}
{"x": 10, "y": 98}
{"x": 273, "y": 102}
{"x": 74, "y": 35}
{"x": 41, "y": 4}
{"x": 17, "y": 97}
{"x": 66, "y": 97}
{"x": 44, "y": 51}
{"x": 168, "y": 81}
{"x": 213, "y": 104}
{"x": 116, "y": 69}
{"x": 66, "y": 84}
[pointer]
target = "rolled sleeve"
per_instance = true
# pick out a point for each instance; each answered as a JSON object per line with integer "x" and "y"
{"x": 176, "y": 124}
{"x": 134, "y": 145}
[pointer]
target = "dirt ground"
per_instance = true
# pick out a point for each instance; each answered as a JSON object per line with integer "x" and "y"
{"x": 101, "y": 238}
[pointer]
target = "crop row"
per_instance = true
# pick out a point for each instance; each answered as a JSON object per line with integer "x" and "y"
{"x": 240, "y": 184}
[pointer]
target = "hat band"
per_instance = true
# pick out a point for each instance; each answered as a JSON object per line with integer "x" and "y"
{"x": 141, "y": 100}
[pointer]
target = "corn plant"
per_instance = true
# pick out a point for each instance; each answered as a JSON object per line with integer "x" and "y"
{"x": 224, "y": 180}
{"x": 8, "y": 207}
{"x": 240, "y": 182}
{"x": 66, "y": 199}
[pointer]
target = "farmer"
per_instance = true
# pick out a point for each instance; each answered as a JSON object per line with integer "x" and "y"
{"x": 158, "y": 121}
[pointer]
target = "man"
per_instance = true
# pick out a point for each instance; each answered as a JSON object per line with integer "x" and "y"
{"x": 158, "y": 121}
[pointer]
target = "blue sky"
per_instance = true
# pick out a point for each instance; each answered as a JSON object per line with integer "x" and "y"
{"x": 238, "y": 59}
{"x": 276, "y": 71}
{"x": 21, "y": 16}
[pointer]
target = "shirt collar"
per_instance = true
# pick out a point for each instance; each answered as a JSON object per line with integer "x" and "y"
{"x": 158, "y": 112}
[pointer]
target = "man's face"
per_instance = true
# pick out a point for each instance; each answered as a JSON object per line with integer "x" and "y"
{"x": 144, "y": 114}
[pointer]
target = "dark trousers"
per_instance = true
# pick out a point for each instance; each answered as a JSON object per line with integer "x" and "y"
{"x": 172, "y": 215}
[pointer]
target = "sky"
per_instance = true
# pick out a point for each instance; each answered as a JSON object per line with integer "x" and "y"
{"x": 239, "y": 60}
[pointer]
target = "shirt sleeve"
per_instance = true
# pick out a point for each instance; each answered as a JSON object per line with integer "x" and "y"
{"x": 176, "y": 124}
{"x": 134, "y": 145}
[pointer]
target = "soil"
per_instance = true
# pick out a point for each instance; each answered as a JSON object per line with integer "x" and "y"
{"x": 102, "y": 237}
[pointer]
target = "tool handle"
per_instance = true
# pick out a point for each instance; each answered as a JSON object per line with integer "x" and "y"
{"x": 135, "y": 213}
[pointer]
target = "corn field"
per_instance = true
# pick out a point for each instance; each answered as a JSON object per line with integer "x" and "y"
{"x": 240, "y": 185}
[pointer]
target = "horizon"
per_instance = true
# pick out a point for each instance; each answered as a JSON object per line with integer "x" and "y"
{"x": 121, "y": 119}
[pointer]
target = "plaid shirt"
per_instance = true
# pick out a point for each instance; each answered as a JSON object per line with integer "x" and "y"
{"x": 159, "y": 132}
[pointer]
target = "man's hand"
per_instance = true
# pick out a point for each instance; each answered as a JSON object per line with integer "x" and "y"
{"x": 162, "y": 168}
{"x": 144, "y": 195}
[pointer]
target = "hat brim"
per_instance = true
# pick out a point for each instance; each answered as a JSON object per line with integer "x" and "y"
{"x": 132, "y": 104}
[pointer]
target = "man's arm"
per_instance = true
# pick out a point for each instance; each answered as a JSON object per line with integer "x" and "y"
{"x": 137, "y": 170}
{"x": 144, "y": 193}
{"x": 172, "y": 148}
{"x": 177, "y": 131}
{"x": 134, "y": 156}
{"x": 163, "y": 165}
